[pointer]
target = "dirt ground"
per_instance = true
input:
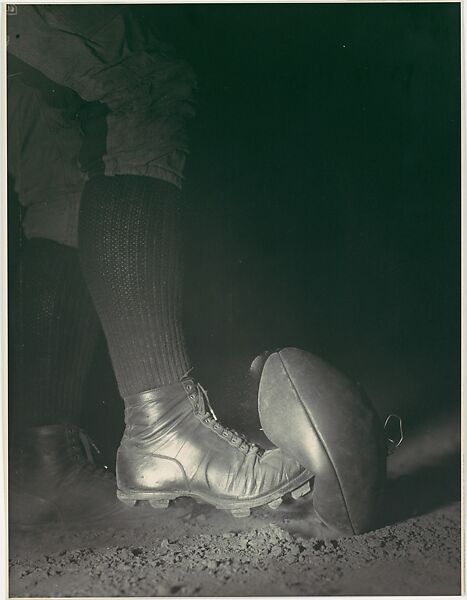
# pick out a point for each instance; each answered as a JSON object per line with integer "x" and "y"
{"x": 193, "y": 550}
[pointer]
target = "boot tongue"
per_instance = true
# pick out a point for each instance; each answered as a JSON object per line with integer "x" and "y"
{"x": 201, "y": 402}
{"x": 201, "y": 405}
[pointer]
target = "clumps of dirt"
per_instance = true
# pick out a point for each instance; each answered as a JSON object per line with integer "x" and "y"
{"x": 418, "y": 556}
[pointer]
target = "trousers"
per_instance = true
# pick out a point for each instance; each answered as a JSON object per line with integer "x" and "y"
{"x": 91, "y": 90}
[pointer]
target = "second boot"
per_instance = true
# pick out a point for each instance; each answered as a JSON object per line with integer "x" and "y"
{"x": 55, "y": 480}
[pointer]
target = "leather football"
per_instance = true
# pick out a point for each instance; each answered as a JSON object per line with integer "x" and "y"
{"x": 325, "y": 421}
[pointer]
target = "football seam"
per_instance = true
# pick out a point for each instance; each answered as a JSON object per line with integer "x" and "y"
{"x": 310, "y": 419}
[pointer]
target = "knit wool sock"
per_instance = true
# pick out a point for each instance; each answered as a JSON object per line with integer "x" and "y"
{"x": 130, "y": 249}
{"x": 54, "y": 334}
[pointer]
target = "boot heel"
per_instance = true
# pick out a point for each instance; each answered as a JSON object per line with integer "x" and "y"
{"x": 128, "y": 501}
{"x": 131, "y": 498}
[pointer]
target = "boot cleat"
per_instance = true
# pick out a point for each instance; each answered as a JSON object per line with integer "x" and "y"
{"x": 275, "y": 504}
{"x": 159, "y": 504}
{"x": 239, "y": 513}
{"x": 301, "y": 491}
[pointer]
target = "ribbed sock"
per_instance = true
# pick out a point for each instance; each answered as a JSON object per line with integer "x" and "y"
{"x": 130, "y": 249}
{"x": 54, "y": 334}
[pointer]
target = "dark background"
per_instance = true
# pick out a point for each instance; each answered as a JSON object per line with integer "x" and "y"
{"x": 323, "y": 200}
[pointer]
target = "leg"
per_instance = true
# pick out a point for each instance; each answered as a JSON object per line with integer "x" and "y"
{"x": 129, "y": 242}
{"x": 130, "y": 248}
{"x": 55, "y": 330}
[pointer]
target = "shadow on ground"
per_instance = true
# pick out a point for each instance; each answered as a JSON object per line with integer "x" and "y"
{"x": 425, "y": 472}
{"x": 426, "y": 489}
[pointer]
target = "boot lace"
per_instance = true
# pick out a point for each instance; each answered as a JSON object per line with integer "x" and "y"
{"x": 88, "y": 461}
{"x": 203, "y": 410}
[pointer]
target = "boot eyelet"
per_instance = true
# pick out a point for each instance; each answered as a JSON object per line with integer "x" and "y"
{"x": 225, "y": 434}
{"x": 188, "y": 387}
{"x": 192, "y": 396}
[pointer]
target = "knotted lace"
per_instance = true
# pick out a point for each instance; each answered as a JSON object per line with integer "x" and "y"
{"x": 203, "y": 410}
{"x": 88, "y": 461}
